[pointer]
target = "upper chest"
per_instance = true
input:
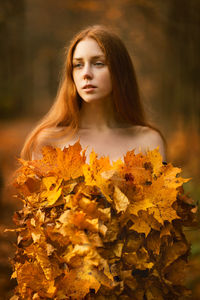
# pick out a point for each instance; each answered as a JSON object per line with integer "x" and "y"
{"x": 113, "y": 143}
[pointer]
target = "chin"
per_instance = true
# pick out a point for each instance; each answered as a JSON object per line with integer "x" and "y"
{"x": 90, "y": 100}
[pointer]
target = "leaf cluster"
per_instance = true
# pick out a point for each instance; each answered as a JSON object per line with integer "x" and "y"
{"x": 101, "y": 230}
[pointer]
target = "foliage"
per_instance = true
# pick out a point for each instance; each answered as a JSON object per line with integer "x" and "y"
{"x": 101, "y": 230}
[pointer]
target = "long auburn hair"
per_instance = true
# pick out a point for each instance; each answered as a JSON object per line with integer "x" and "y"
{"x": 64, "y": 113}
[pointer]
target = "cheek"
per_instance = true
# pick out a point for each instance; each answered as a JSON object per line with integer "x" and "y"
{"x": 76, "y": 81}
{"x": 106, "y": 80}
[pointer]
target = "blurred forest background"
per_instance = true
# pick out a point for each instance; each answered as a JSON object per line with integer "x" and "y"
{"x": 163, "y": 40}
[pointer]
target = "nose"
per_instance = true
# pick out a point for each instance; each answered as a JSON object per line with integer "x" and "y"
{"x": 87, "y": 72}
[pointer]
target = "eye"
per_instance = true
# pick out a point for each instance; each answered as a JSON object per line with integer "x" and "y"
{"x": 99, "y": 63}
{"x": 77, "y": 65}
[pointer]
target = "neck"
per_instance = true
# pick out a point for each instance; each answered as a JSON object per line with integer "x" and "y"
{"x": 97, "y": 115}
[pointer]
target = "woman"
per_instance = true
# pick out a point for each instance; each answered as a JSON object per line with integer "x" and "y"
{"x": 98, "y": 102}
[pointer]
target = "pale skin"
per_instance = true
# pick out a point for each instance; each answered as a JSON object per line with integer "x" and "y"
{"x": 98, "y": 129}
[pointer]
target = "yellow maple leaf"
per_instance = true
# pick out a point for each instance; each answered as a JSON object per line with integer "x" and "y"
{"x": 140, "y": 225}
{"x": 53, "y": 190}
{"x": 94, "y": 173}
{"x": 156, "y": 160}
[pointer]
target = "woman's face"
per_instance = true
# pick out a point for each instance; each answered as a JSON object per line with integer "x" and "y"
{"x": 90, "y": 71}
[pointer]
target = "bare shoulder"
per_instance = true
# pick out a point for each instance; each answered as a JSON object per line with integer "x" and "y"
{"x": 150, "y": 139}
{"x": 44, "y": 138}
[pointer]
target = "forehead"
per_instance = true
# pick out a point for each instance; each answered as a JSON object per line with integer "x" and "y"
{"x": 87, "y": 47}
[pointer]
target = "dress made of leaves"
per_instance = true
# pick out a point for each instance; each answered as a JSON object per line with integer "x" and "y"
{"x": 100, "y": 230}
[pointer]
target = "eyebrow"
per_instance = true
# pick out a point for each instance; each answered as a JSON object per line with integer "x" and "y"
{"x": 93, "y": 57}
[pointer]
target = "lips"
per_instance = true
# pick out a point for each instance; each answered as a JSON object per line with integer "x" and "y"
{"x": 89, "y": 86}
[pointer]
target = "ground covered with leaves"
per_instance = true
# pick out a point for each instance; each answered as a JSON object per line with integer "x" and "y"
{"x": 101, "y": 230}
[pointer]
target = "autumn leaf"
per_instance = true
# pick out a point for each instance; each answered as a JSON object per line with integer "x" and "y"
{"x": 120, "y": 200}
